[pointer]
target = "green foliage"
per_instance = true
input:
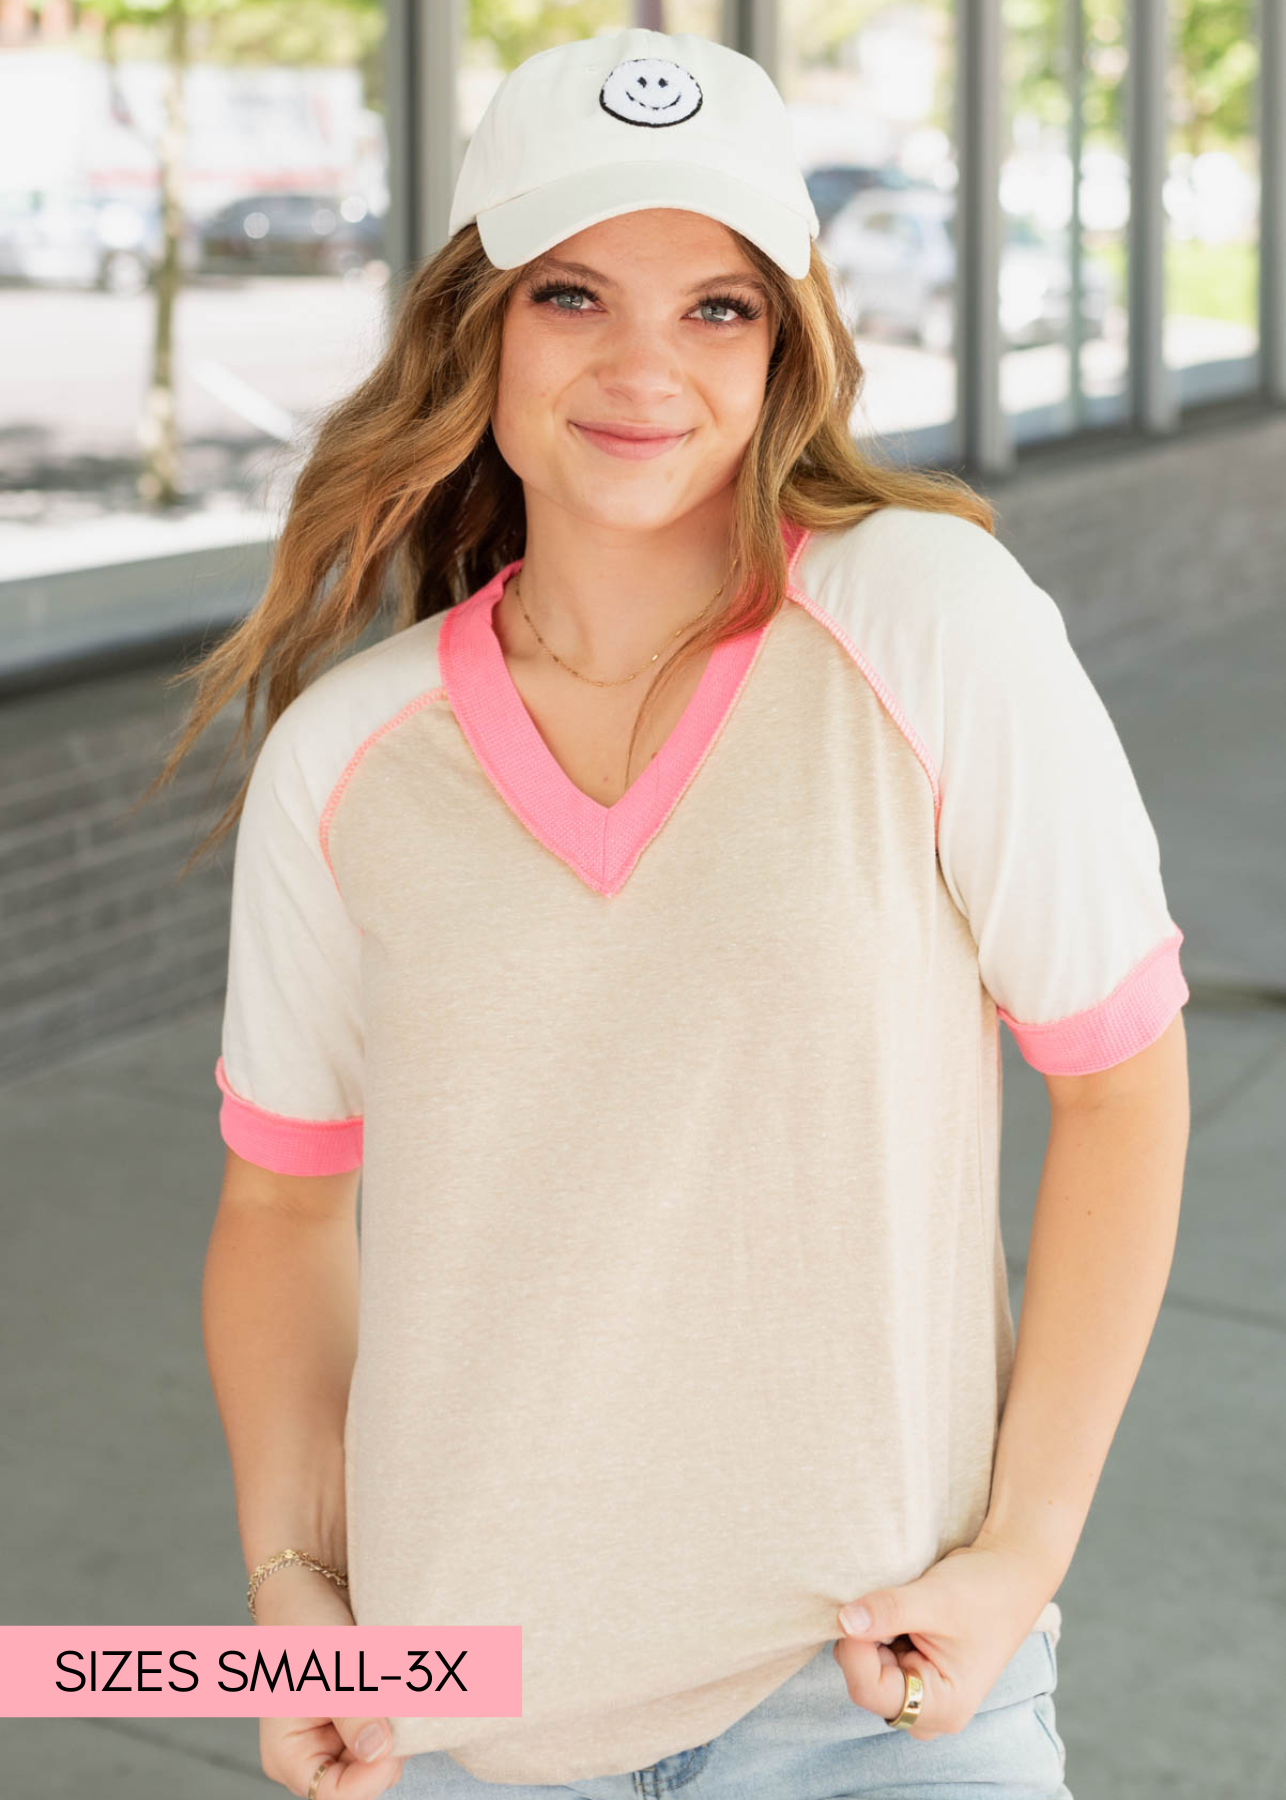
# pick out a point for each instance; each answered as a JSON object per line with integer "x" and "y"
{"x": 265, "y": 32}
{"x": 1213, "y": 71}
{"x": 1035, "y": 60}
{"x": 117, "y": 14}
{"x": 821, "y": 31}
{"x": 1106, "y": 61}
{"x": 1205, "y": 281}
{"x": 1213, "y": 281}
{"x": 254, "y": 33}
{"x": 513, "y": 30}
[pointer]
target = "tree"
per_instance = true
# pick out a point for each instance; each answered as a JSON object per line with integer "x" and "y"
{"x": 158, "y": 479}
{"x": 1212, "y": 72}
{"x": 273, "y": 31}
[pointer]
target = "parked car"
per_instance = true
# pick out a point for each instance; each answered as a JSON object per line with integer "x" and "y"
{"x": 75, "y": 238}
{"x": 291, "y": 234}
{"x": 831, "y": 186}
{"x": 896, "y": 253}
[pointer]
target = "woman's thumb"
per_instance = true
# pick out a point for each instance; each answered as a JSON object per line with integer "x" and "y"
{"x": 368, "y": 1739}
{"x": 881, "y": 1615}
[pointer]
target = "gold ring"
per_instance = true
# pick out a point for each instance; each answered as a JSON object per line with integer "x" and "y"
{"x": 912, "y": 1702}
{"x": 317, "y": 1775}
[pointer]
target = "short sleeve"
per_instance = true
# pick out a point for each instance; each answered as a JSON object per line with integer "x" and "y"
{"x": 291, "y": 1064}
{"x": 1043, "y": 837}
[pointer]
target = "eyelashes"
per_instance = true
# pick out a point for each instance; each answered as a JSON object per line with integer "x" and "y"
{"x": 543, "y": 292}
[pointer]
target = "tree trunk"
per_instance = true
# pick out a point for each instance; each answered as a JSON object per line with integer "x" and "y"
{"x": 159, "y": 479}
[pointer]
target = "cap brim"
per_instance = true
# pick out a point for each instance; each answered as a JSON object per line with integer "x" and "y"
{"x": 519, "y": 229}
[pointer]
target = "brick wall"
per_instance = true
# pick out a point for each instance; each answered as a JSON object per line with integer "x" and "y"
{"x": 97, "y": 934}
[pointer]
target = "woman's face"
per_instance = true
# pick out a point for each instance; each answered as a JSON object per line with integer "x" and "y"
{"x": 642, "y": 341}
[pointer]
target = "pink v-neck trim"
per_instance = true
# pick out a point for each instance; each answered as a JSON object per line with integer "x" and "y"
{"x": 600, "y": 843}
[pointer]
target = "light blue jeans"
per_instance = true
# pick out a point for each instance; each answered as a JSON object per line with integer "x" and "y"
{"x": 808, "y": 1741}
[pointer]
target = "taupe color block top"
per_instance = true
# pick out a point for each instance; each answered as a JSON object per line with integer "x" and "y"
{"x": 684, "y": 1312}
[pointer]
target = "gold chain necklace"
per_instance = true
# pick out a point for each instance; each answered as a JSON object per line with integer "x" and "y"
{"x": 621, "y": 681}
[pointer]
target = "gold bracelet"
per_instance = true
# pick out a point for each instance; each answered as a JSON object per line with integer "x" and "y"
{"x": 279, "y": 1561}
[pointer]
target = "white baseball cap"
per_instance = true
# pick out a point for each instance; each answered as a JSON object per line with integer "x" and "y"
{"x": 629, "y": 120}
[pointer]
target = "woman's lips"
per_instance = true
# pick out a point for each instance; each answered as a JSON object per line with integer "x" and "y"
{"x": 632, "y": 449}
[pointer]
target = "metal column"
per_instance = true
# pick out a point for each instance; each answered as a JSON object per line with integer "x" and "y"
{"x": 1153, "y": 390}
{"x": 422, "y": 45}
{"x": 1075, "y": 247}
{"x": 986, "y": 441}
{"x": 751, "y": 26}
{"x": 1272, "y": 199}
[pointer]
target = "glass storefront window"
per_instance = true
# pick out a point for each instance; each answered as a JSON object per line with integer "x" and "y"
{"x": 1105, "y": 209}
{"x": 1212, "y": 200}
{"x": 703, "y": 18}
{"x": 872, "y": 109}
{"x": 152, "y": 409}
{"x": 1064, "y": 196}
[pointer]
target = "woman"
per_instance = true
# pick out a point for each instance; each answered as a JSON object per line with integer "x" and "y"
{"x": 665, "y": 1039}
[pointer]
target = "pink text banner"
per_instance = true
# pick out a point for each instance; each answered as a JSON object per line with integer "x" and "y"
{"x": 260, "y": 1671}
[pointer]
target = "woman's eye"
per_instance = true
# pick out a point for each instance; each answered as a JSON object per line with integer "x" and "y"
{"x": 554, "y": 296}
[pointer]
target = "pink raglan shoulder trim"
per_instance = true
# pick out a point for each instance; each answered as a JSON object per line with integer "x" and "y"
{"x": 1042, "y": 836}
{"x": 336, "y": 794}
{"x": 881, "y": 689}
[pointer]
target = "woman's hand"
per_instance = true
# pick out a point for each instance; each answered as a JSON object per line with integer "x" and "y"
{"x": 956, "y": 1626}
{"x": 291, "y": 1750}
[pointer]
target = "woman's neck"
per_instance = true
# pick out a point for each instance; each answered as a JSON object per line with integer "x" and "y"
{"x": 608, "y": 605}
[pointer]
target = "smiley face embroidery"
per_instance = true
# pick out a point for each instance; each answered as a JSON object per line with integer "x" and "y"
{"x": 650, "y": 90}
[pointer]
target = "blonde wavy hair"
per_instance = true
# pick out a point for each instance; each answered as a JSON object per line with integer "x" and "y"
{"x": 404, "y": 485}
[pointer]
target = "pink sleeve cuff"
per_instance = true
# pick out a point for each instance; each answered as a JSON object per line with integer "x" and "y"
{"x": 284, "y": 1145}
{"x": 1133, "y": 1016}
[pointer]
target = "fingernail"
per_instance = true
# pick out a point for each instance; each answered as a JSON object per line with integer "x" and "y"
{"x": 370, "y": 1742}
{"x": 855, "y": 1618}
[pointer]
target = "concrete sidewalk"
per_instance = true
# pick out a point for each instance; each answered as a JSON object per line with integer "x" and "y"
{"x": 118, "y": 1497}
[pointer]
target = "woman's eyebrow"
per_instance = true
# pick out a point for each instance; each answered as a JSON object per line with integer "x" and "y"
{"x": 583, "y": 269}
